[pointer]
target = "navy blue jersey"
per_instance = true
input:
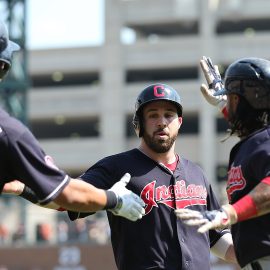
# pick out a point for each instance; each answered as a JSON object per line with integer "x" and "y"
{"x": 159, "y": 240}
{"x": 249, "y": 164}
{"x": 22, "y": 158}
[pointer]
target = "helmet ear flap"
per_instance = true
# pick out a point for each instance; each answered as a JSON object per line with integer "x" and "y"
{"x": 138, "y": 125}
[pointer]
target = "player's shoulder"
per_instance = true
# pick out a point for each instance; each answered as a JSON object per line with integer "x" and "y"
{"x": 190, "y": 164}
{"x": 259, "y": 137}
{"x": 121, "y": 157}
{"x": 192, "y": 169}
{"x": 10, "y": 126}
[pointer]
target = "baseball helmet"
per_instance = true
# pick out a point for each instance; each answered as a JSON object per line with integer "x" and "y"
{"x": 154, "y": 92}
{"x": 250, "y": 78}
{"x": 7, "y": 47}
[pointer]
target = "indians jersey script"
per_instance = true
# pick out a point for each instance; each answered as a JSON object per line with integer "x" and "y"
{"x": 159, "y": 240}
{"x": 22, "y": 158}
{"x": 249, "y": 165}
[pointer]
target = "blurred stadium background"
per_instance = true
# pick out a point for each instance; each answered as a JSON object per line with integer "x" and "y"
{"x": 79, "y": 103}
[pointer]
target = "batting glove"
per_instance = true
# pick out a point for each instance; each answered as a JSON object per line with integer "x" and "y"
{"x": 213, "y": 78}
{"x": 129, "y": 205}
{"x": 208, "y": 220}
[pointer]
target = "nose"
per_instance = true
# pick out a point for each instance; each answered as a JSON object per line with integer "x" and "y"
{"x": 162, "y": 122}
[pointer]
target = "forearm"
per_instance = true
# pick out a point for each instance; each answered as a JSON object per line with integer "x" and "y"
{"x": 261, "y": 197}
{"x": 77, "y": 196}
{"x": 82, "y": 197}
{"x": 256, "y": 203}
{"x": 19, "y": 189}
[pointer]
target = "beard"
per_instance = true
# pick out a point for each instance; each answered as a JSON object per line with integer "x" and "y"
{"x": 159, "y": 145}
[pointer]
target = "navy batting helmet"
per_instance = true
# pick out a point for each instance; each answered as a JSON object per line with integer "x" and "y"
{"x": 250, "y": 78}
{"x": 7, "y": 47}
{"x": 154, "y": 92}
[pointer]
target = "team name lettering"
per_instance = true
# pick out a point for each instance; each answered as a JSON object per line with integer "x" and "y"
{"x": 236, "y": 181}
{"x": 174, "y": 196}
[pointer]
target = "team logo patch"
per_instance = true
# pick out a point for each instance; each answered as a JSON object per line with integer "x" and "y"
{"x": 236, "y": 181}
{"x": 50, "y": 162}
{"x": 174, "y": 196}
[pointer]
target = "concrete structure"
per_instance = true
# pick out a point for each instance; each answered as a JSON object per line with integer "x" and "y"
{"x": 170, "y": 38}
{"x": 83, "y": 98}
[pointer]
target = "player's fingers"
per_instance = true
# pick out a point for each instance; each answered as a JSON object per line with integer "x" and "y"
{"x": 189, "y": 216}
{"x": 137, "y": 208}
{"x": 182, "y": 211}
{"x": 204, "y": 66}
{"x": 206, "y": 71}
{"x": 135, "y": 215}
{"x": 195, "y": 222}
{"x": 138, "y": 199}
{"x": 205, "y": 91}
{"x": 206, "y": 227}
{"x": 216, "y": 69}
{"x": 125, "y": 179}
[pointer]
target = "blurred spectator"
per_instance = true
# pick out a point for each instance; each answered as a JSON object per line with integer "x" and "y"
{"x": 78, "y": 231}
{"x": 44, "y": 232}
{"x": 82, "y": 230}
{"x": 18, "y": 236}
{"x": 3, "y": 234}
{"x": 99, "y": 231}
{"x": 62, "y": 231}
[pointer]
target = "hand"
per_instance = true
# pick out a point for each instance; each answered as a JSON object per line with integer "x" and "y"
{"x": 215, "y": 83}
{"x": 129, "y": 204}
{"x": 208, "y": 220}
{"x": 14, "y": 187}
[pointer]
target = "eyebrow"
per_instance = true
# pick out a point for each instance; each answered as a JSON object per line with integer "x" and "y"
{"x": 153, "y": 110}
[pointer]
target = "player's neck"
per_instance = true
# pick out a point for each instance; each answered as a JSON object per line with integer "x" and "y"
{"x": 164, "y": 158}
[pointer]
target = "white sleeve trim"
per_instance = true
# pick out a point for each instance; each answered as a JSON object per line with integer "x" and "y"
{"x": 55, "y": 191}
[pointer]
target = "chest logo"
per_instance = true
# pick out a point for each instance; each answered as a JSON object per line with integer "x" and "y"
{"x": 175, "y": 196}
{"x": 236, "y": 181}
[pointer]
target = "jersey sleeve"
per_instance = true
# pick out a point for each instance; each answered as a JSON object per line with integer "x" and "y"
{"x": 259, "y": 170}
{"x": 100, "y": 175}
{"x": 36, "y": 169}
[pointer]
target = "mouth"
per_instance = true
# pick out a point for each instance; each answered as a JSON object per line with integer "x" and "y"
{"x": 161, "y": 134}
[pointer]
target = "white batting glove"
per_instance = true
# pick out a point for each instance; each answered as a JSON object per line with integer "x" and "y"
{"x": 129, "y": 204}
{"x": 208, "y": 220}
{"x": 213, "y": 78}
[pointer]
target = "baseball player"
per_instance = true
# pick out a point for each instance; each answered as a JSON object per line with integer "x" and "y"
{"x": 22, "y": 158}
{"x": 165, "y": 181}
{"x": 246, "y": 93}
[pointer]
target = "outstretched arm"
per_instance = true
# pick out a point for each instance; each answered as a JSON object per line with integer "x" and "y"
{"x": 254, "y": 204}
{"x": 80, "y": 196}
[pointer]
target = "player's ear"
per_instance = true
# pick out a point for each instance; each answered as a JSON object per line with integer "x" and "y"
{"x": 180, "y": 119}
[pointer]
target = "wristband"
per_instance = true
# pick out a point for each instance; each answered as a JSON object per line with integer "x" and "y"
{"x": 245, "y": 208}
{"x": 29, "y": 195}
{"x": 112, "y": 200}
{"x": 266, "y": 180}
{"x": 225, "y": 112}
